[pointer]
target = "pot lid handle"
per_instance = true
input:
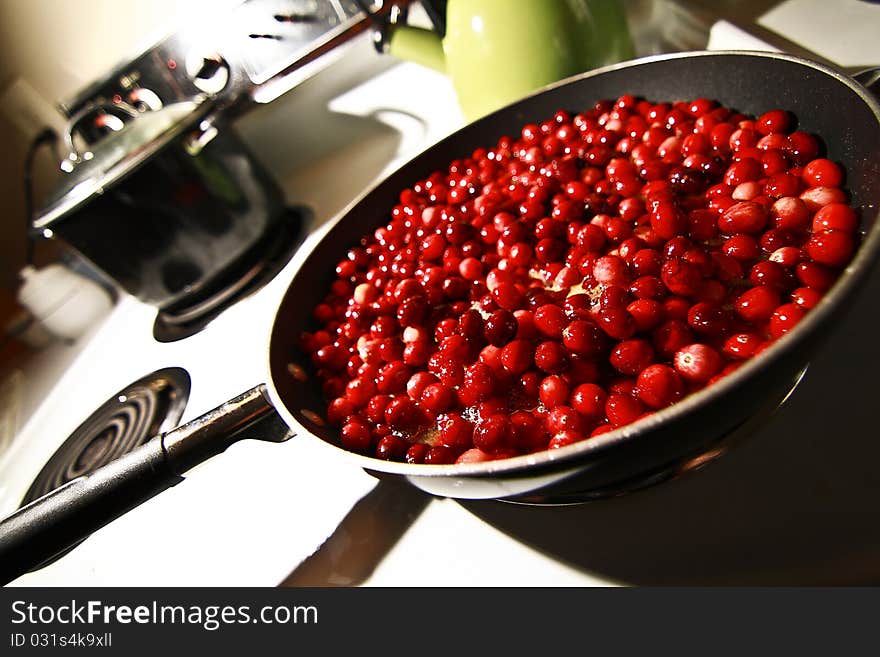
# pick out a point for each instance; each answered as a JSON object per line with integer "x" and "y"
{"x": 75, "y": 157}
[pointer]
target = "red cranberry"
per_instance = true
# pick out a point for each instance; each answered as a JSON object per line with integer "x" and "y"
{"x": 391, "y": 448}
{"x": 623, "y": 409}
{"x": 742, "y": 346}
{"x": 659, "y": 386}
{"x": 697, "y": 362}
{"x": 564, "y": 438}
{"x": 517, "y": 356}
{"x": 632, "y": 356}
{"x": 830, "y": 247}
{"x": 551, "y": 357}
{"x": 500, "y": 328}
{"x": 491, "y": 433}
{"x": 757, "y": 303}
{"x": 835, "y": 216}
{"x": 355, "y": 435}
{"x": 681, "y": 277}
{"x": 785, "y": 318}
{"x": 454, "y": 431}
{"x": 708, "y": 318}
{"x": 822, "y": 172}
{"x": 743, "y": 217}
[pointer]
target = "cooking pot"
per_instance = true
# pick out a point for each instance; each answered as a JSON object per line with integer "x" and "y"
{"x": 496, "y": 51}
{"x": 172, "y": 205}
{"x": 827, "y": 103}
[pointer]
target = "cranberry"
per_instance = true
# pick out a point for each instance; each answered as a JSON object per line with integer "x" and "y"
{"x": 454, "y": 431}
{"x": 681, "y": 277}
{"x": 588, "y": 399}
{"x": 500, "y": 328}
{"x": 773, "y": 121}
{"x": 785, "y": 318}
{"x": 564, "y": 418}
{"x": 566, "y": 437}
{"x": 584, "y": 338}
{"x": 835, "y": 216}
{"x": 742, "y": 346}
{"x": 806, "y": 297}
{"x": 617, "y": 323}
{"x": 822, "y": 172}
{"x": 659, "y": 386}
{"x": 416, "y": 453}
{"x": 632, "y": 356}
{"x": 757, "y": 303}
{"x": 790, "y": 213}
{"x": 554, "y": 391}
{"x": 697, "y": 362}
{"x": 830, "y": 247}
{"x": 551, "y": 357}
{"x": 743, "y": 217}
{"x": 817, "y": 197}
{"x": 391, "y": 448}
{"x": 550, "y": 320}
{"x": 517, "y": 356}
{"x": 439, "y": 455}
{"x": 708, "y": 318}
{"x": 622, "y": 409}
{"x": 355, "y": 435}
{"x": 491, "y": 433}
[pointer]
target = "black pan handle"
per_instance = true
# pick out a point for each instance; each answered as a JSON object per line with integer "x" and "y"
{"x": 52, "y": 524}
{"x": 870, "y": 80}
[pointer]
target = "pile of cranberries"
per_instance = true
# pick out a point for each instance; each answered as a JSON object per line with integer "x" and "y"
{"x": 577, "y": 277}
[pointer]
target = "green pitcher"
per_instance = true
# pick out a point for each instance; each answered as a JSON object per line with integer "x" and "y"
{"x": 497, "y": 51}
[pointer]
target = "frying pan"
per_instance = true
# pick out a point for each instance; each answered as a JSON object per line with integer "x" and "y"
{"x": 827, "y": 103}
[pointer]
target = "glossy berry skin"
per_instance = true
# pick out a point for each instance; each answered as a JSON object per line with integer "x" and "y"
{"x": 831, "y": 247}
{"x": 697, "y": 362}
{"x": 659, "y": 386}
{"x": 757, "y": 304}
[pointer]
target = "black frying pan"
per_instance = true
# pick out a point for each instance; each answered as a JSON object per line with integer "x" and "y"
{"x": 825, "y": 102}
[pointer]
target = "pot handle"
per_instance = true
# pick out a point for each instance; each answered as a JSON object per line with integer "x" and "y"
{"x": 870, "y": 80}
{"x": 47, "y": 527}
{"x": 73, "y": 155}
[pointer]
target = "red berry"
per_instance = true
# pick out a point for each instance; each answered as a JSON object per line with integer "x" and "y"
{"x": 681, "y": 277}
{"x": 757, "y": 303}
{"x": 623, "y": 409}
{"x": 697, "y": 362}
{"x": 830, "y": 247}
{"x": 836, "y": 216}
{"x": 785, "y": 318}
{"x": 355, "y": 435}
{"x": 632, "y": 356}
{"x": 550, "y": 320}
{"x": 491, "y": 433}
{"x": 551, "y": 357}
{"x": 659, "y": 386}
{"x": 822, "y": 172}
{"x": 554, "y": 391}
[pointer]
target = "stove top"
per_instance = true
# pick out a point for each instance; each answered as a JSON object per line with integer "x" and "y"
{"x": 794, "y": 504}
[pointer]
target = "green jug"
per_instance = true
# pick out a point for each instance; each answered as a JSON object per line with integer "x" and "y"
{"x": 497, "y": 51}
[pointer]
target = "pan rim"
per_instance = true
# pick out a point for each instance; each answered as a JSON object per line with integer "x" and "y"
{"x": 569, "y": 457}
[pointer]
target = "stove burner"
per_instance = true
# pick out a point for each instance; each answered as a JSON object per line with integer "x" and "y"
{"x": 131, "y": 417}
{"x": 279, "y": 245}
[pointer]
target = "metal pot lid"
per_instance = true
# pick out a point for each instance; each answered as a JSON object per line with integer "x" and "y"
{"x": 117, "y": 155}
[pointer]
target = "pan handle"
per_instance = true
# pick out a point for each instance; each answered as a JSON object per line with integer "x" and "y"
{"x": 870, "y": 80}
{"x": 47, "y": 527}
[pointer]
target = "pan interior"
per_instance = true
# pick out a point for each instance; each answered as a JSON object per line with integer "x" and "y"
{"x": 752, "y": 83}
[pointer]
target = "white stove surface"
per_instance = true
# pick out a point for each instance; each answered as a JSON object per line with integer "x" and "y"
{"x": 796, "y": 504}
